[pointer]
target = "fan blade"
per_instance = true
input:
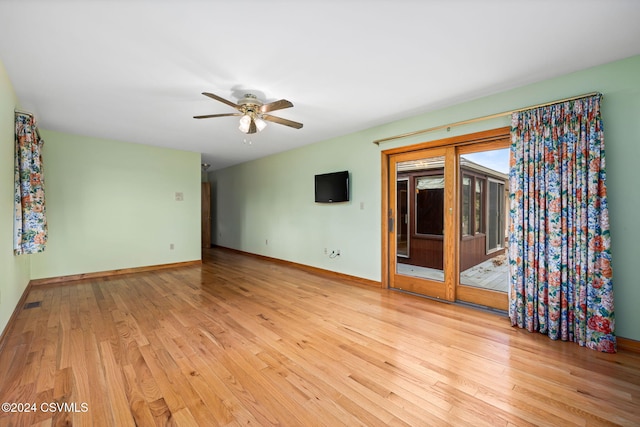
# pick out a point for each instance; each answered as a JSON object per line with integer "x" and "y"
{"x": 224, "y": 101}
{"x": 276, "y": 105}
{"x": 208, "y": 116}
{"x": 282, "y": 121}
{"x": 252, "y": 127}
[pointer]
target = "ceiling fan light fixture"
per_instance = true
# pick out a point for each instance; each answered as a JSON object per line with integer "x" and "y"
{"x": 245, "y": 122}
{"x": 260, "y": 124}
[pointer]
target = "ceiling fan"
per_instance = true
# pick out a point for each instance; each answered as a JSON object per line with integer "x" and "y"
{"x": 253, "y": 112}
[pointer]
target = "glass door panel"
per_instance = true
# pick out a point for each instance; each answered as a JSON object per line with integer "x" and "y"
{"x": 483, "y": 277}
{"x": 425, "y": 202}
{"x": 418, "y": 180}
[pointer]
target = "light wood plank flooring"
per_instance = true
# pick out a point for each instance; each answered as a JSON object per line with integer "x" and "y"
{"x": 244, "y": 341}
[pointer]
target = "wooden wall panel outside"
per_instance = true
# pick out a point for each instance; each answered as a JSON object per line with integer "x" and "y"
{"x": 425, "y": 252}
{"x": 473, "y": 251}
{"x": 428, "y": 252}
{"x": 240, "y": 340}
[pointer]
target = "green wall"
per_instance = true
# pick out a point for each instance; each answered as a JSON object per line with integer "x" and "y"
{"x": 111, "y": 205}
{"x": 14, "y": 271}
{"x": 266, "y": 206}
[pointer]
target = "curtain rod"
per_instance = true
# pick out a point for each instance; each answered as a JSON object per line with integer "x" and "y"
{"x": 480, "y": 119}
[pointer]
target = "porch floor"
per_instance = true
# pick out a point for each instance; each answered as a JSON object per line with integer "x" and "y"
{"x": 491, "y": 274}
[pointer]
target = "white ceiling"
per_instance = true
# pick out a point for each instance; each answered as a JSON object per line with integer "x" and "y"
{"x": 134, "y": 70}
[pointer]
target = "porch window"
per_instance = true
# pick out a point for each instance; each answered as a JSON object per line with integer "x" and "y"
{"x": 430, "y": 205}
{"x": 496, "y": 220}
{"x": 472, "y": 204}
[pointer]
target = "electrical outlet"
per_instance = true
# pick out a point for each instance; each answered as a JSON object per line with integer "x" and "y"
{"x": 334, "y": 253}
{"x": 171, "y": 246}
{"x": 179, "y": 196}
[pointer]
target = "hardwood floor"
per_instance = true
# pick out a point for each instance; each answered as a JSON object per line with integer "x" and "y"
{"x": 243, "y": 341}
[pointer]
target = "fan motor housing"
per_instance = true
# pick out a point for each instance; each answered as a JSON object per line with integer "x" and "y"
{"x": 250, "y": 100}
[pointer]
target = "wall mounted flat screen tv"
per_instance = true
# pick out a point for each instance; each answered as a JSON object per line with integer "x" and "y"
{"x": 332, "y": 187}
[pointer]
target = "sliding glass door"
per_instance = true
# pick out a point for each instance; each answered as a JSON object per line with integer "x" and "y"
{"x": 447, "y": 222}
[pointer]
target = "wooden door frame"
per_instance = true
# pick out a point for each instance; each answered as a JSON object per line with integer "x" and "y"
{"x": 388, "y": 211}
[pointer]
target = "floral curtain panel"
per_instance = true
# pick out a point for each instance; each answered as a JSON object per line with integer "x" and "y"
{"x": 30, "y": 229}
{"x": 559, "y": 244}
